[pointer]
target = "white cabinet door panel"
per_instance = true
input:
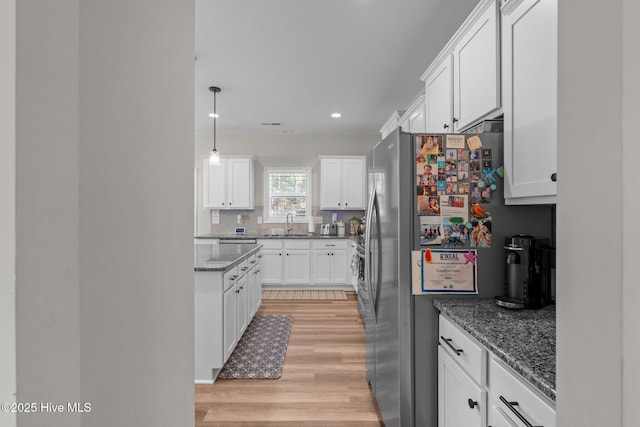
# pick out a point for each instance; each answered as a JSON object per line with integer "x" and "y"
{"x": 297, "y": 267}
{"x": 438, "y": 98}
{"x": 530, "y": 71}
{"x": 353, "y": 188}
{"x": 460, "y": 401}
{"x": 476, "y": 83}
{"x": 215, "y": 195}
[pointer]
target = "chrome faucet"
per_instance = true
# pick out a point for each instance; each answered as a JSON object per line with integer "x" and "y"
{"x": 289, "y": 228}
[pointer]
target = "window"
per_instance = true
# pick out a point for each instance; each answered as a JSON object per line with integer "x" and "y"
{"x": 287, "y": 190}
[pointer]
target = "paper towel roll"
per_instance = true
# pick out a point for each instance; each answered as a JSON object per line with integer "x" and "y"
{"x": 312, "y": 225}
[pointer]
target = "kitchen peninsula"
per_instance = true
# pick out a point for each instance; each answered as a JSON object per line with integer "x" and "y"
{"x": 228, "y": 293}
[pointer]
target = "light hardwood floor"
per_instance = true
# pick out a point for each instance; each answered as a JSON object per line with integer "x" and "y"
{"x": 323, "y": 382}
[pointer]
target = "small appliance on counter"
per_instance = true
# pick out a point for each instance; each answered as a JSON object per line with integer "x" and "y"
{"x": 329, "y": 229}
{"x": 528, "y": 273}
{"x": 340, "y": 229}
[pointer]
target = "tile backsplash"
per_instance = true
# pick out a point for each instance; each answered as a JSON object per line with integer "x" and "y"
{"x": 249, "y": 219}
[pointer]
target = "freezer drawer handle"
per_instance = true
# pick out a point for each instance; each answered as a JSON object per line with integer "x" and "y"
{"x": 447, "y": 341}
{"x": 511, "y": 405}
{"x": 472, "y": 404}
{"x": 554, "y": 177}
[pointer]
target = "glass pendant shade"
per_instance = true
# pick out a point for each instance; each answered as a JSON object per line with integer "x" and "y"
{"x": 214, "y": 158}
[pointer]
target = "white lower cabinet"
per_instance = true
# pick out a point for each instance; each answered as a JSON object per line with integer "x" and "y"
{"x": 297, "y": 262}
{"x": 272, "y": 262}
{"x": 230, "y": 321}
{"x": 476, "y": 388}
{"x": 330, "y": 262}
{"x": 461, "y": 402}
{"x": 516, "y": 399}
{"x": 462, "y": 398}
{"x": 304, "y": 262}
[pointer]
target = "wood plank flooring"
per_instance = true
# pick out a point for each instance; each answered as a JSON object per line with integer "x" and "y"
{"x": 323, "y": 382}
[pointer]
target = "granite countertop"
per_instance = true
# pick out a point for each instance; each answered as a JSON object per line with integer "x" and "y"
{"x": 524, "y": 339}
{"x": 268, "y": 236}
{"x": 217, "y": 257}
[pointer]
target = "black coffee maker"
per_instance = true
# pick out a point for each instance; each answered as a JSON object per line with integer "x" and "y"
{"x": 528, "y": 273}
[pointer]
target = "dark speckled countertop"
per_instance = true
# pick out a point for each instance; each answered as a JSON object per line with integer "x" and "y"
{"x": 219, "y": 257}
{"x": 523, "y": 339}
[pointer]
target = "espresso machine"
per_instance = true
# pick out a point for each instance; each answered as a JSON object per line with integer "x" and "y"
{"x": 528, "y": 263}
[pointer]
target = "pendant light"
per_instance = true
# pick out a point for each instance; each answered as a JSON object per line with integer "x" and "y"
{"x": 214, "y": 157}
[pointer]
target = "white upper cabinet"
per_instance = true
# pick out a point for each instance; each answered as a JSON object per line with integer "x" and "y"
{"x": 413, "y": 120}
{"x": 462, "y": 85}
{"x": 342, "y": 182}
{"x": 530, "y": 76}
{"x": 476, "y": 67}
{"x": 229, "y": 185}
{"x": 439, "y": 97}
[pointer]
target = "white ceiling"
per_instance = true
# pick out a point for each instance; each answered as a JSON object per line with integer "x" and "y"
{"x": 297, "y": 61}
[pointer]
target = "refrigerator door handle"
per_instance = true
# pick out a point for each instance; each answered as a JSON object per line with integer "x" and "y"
{"x": 371, "y": 211}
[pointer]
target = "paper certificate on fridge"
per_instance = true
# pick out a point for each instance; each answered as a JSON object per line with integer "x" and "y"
{"x": 445, "y": 271}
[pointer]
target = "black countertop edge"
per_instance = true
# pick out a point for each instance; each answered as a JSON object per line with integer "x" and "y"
{"x": 243, "y": 251}
{"x": 523, "y": 339}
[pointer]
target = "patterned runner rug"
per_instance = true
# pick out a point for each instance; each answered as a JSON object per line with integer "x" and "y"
{"x": 301, "y": 294}
{"x": 261, "y": 350}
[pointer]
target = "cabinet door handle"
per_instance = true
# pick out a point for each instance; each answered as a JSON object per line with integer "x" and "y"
{"x": 447, "y": 341}
{"x": 446, "y": 126}
{"x": 232, "y": 278}
{"x": 280, "y": 254}
{"x": 511, "y": 406}
{"x": 260, "y": 256}
{"x": 287, "y": 254}
{"x": 554, "y": 177}
{"x": 252, "y": 261}
{"x": 244, "y": 269}
{"x": 455, "y": 120}
{"x": 472, "y": 403}
{"x": 237, "y": 291}
{"x": 346, "y": 204}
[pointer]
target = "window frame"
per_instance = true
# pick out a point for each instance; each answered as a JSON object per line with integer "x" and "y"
{"x": 267, "y": 217}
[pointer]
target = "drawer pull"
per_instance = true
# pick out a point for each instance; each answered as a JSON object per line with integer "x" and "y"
{"x": 472, "y": 404}
{"x": 447, "y": 341}
{"x": 511, "y": 406}
{"x": 330, "y": 245}
{"x": 244, "y": 269}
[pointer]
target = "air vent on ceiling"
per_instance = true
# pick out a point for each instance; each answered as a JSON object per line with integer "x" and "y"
{"x": 271, "y": 124}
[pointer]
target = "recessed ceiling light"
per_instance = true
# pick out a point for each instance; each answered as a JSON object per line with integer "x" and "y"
{"x": 286, "y": 132}
{"x": 215, "y": 115}
{"x": 336, "y": 115}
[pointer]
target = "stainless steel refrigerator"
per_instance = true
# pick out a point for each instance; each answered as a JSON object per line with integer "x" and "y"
{"x": 402, "y": 329}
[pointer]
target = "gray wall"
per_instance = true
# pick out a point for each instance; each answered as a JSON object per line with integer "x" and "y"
{"x": 7, "y": 208}
{"x": 598, "y": 343}
{"x": 104, "y": 201}
{"x": 275, "y": 150}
